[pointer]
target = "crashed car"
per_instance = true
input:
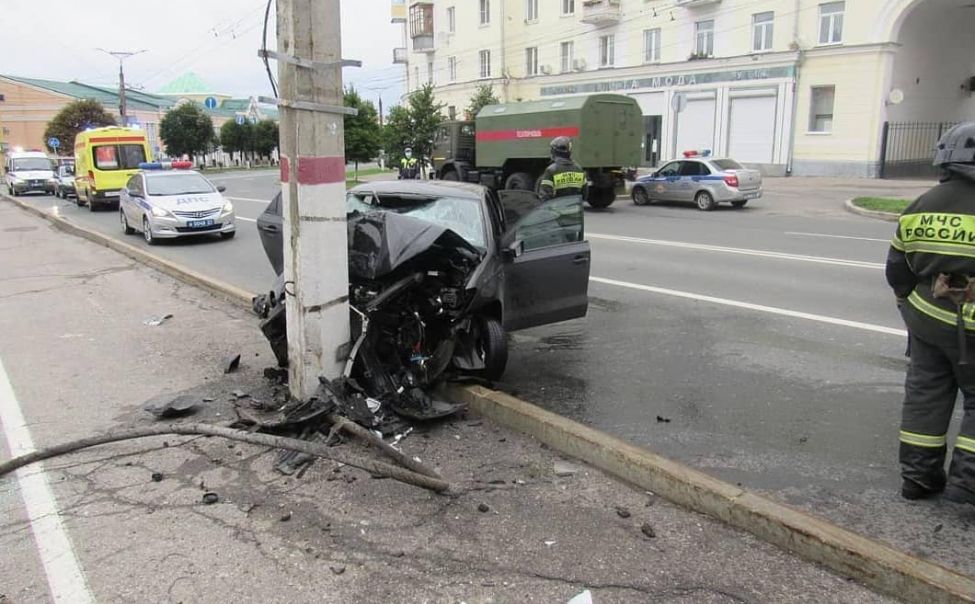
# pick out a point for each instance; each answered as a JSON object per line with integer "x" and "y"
{"x": 439, "y": 273}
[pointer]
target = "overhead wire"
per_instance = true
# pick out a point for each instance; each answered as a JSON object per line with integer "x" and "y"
{"x": 267, "y": 64}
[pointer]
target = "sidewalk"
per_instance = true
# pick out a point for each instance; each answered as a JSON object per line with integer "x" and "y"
{"x": 81, "y": 361}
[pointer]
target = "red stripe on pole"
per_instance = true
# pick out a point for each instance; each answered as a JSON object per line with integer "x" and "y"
{"x": 316, "y": 170}
{"x": 529, "y": 133}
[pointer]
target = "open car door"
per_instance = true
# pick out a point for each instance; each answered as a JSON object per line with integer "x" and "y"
{"x": 546, "y": 270}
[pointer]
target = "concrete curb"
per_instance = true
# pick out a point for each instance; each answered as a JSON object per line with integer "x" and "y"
{"x": 888, "y": 216}
{"x": 879, "y": 566}
{"x": 875, "y": 564}
{"x": 218, "y": 288}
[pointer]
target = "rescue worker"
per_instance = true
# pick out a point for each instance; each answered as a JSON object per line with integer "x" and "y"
{"x": 409, "y": 169}
{"x": 931, "y": 268}
{"x": 563, "y": 177}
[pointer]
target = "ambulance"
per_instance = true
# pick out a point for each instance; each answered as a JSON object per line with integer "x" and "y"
{"x": 105, "y": 159}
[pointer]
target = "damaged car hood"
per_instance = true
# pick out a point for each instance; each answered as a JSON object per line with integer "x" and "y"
{"x": 382, "y": 242}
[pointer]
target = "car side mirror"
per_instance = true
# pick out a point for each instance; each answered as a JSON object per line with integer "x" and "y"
{"x": 221, "y": 189}
{"x": 132, "y": 192}
{"x": 515, "y": 250}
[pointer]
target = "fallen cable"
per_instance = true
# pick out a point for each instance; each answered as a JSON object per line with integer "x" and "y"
{"x": 377, "y": 468}
{"x": 404, "y": 460}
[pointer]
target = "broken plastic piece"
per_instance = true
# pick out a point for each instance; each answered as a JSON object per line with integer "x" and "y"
{"x": 583, "y": 598}
{"x": 167, "y": 406}
{"x": 210, "y": 498}
{"x": 157, "y": 321}
{"x": 231, "y": 363}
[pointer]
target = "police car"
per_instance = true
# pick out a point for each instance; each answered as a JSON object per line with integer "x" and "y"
{"x": 705, "y": 180}
{"x": 165, "y": 200}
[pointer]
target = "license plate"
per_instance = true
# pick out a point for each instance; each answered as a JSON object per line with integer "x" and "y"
{"x": 199, "y": 224}
{"x": 752, "y": 195}
{"x": 111, "y": 193}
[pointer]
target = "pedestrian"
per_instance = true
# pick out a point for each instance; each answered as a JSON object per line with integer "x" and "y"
{"x": 563, "y": 177}
{"x": 409, "y": 169}
{"x": 931, "y": 268}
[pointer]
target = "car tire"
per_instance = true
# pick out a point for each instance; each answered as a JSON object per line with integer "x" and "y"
{"x": 601, "y": 197}
{"x": 92, "y": 206}
{"x": 641, "y": 197}
{"x": 125, "y": 223}
{"x": 739, "y": 204}
{"x": 147, "y": 232}
{"x": 519, "y": 181}
{"x": 450, "y": 175}
{"x": 229, "y": 235}
{"x": 705, "y": 202}
{"x": 492, "y": 344}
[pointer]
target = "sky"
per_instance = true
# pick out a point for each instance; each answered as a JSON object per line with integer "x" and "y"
{"x": 216, "y": 39}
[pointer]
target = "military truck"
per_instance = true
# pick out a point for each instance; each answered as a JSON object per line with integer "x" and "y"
{"x": 507, "y": 146}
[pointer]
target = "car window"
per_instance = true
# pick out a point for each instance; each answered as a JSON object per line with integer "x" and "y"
{"x": 671, "y": 169}
{"x": 118, "y": 157}
{"x": 177, "y": 184}
{"x": 135, "y": 186}
{"x": 31, "y": 163}
{"x": 556, "y": 221}
{"x": 727, "y": 164}
{"x": 274, "y": 208}
{"x": 693, "y": 168}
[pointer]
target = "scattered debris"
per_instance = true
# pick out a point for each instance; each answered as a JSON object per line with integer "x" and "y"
{"x": 157, "y": 321}
{"x": 937, "y": 529}
{"x": 239, "y": 394}
{"x": 157, "y": 477}
{"x": 803, "y": 439}
{"x": 648, "y": 531}
{"x": 285, "y": 517}
{"x": 483, "y": 508}
{"x": 210, "y": 498}
{"x": 338, "y": 569}
{"x": 622, "y": 512}
{"x": 167, "y": 406}
{"x": 563, "y": 469}
{"x": 276, "y": 374}
{"x": 207, "y": 399}
{"x": 583, "y": 598}
{"x": 231, "y": 363}
{"x": 663, "y": 420}
{"x": 549, "y": 543}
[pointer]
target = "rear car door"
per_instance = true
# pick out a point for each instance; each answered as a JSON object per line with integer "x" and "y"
{"x": 547, "y": 279}
{"x": 269, "y": 228}
{"x": 690, "y": 176}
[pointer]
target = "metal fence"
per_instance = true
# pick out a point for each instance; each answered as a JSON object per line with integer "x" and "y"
{"x": 907, "y": 148}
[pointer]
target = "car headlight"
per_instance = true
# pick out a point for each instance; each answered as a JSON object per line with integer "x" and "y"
{"x": 16, "y": 179}
{"x": 159, "y": 212}
{"x": 228, "y": 208}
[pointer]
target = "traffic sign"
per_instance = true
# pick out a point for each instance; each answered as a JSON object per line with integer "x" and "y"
{"x": 53, "y": 142}
{"x": 240, "y": 120}
{"x": 210, "y": 102}
{"x": 252, "y": 119}
{"x": 678, "y": 102}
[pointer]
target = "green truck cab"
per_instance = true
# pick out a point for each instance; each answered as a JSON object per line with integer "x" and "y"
{"x": 507, "y": 146}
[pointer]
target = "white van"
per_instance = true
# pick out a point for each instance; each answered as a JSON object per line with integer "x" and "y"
{"x": 26, "y": 171}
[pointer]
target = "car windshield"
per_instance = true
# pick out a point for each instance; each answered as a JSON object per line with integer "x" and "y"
{"x": 31, "y": 163}
{"x": 727, "y": 164}
{"x": 177, "y": 184}
{"x": 462, "y": 215}
{"x": 66, "y": 170}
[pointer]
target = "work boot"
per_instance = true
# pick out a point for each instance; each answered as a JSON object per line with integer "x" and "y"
{"x": 912, "y": 490}
{"x": 957, "y": 494}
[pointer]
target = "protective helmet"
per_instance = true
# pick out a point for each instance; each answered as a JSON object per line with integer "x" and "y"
{"x": 561, "y": 146}
{"x": 957, "y": 145}
{"x": 408, "y": 151}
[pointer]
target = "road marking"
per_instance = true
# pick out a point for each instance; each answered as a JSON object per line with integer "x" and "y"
{"x": 264, "y": 201}
{"x": 247, "y": 219}
{"x": 64, "y": 575}
{"x": 837, "y": 236}
{"x": 737, "y": 250}
{"x": 756, "y": 307}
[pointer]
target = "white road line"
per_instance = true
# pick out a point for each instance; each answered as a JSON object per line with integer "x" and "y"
{"x": 737, "y": 250}
{"x": 64, "y": 575}
{"x": 756, "y": 307}
{"x": 264, "y": 201}
{"x": 837, "y": 236}
{"x": 246, "y": 219}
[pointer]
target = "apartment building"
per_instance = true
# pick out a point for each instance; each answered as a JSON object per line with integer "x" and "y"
{"x": 807, "y": 87}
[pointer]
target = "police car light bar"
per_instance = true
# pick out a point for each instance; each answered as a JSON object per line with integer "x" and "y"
{"x": 704, "y": 153}
{"x": 165, "y": 165}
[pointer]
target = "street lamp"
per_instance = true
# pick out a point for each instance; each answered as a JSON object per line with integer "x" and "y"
{"x": 121, "y": 56}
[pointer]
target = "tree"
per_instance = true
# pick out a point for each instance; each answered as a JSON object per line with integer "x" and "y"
{"x": 363, "y": 136}
{"x": 236, "y": 137}
{"x": 483, "y": 96}
{"x": 397, "y": 135}
{"x": 75, "y": 117}
{"x": 426, "y": 118}
{"x": 265, "y": 137}
{"x": 186, "y": 130}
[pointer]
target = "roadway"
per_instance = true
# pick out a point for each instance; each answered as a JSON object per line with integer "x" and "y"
{"x": 761, "y": 345}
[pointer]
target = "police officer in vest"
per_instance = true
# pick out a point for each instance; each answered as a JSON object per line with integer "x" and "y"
{"x": 409, "y": 169}
{"x": 931, "y": 268}
{"x": 563, "y": 177}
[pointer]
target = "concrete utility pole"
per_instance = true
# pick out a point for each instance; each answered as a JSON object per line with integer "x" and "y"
{"x": 313, "y": 190}
{"x": 121, "y": 56}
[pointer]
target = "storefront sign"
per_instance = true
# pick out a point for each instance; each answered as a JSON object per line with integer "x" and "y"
{"x": 670, "y": 81}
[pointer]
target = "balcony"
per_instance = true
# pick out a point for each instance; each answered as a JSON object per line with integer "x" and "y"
{"x": 398, "y": 11}
{"x": 695, "y": 3}
{"x": 399, "y": 56}
{"x": 601, "y": 12}
{"x": 421, "y": 26}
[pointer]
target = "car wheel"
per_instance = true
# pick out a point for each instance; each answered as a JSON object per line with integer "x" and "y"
{"x": 92, "y": 206}
{"x": 705, "y": 202}
{"x": 125, "y": 223}
{"x": 739, "y": 204}
{"x": 229, "y": 235}
{"x": 147, "y": 231}
{"x": 601, "y": 197}
{"x": 492, "y": 346}
{"x": 450, "y": 175}
{"x": 519, "y": 181}
{"x": 641, "y": 197}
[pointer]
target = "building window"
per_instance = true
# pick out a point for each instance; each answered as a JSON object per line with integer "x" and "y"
{"x": 651, "y": 45}
{"x": 485, "y": 63}
{"x": 452, "y": 112}
{"x": 831, "y": 22}
{"x": 568, "y": 7}
{"x": 762, "y": 24}
{"x": 452, "y": 68}
{"x": 531, "y": 61}
{"x": 567, "y": 52}
{"x": 607, "y": 51}
{"x": 416, "y": 76}
{"x": 430, "y": 71}
{"x": 704, "y": 38}
{"x": 821, "y": 109}
{"x": 421, "y": 20}
{"x": 531, "y": 10}
{"x": 451, "y": 19}
{"x": 485, "y": 12}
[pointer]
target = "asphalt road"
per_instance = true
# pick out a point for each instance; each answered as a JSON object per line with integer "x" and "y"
{"x": 761, "y": 345}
